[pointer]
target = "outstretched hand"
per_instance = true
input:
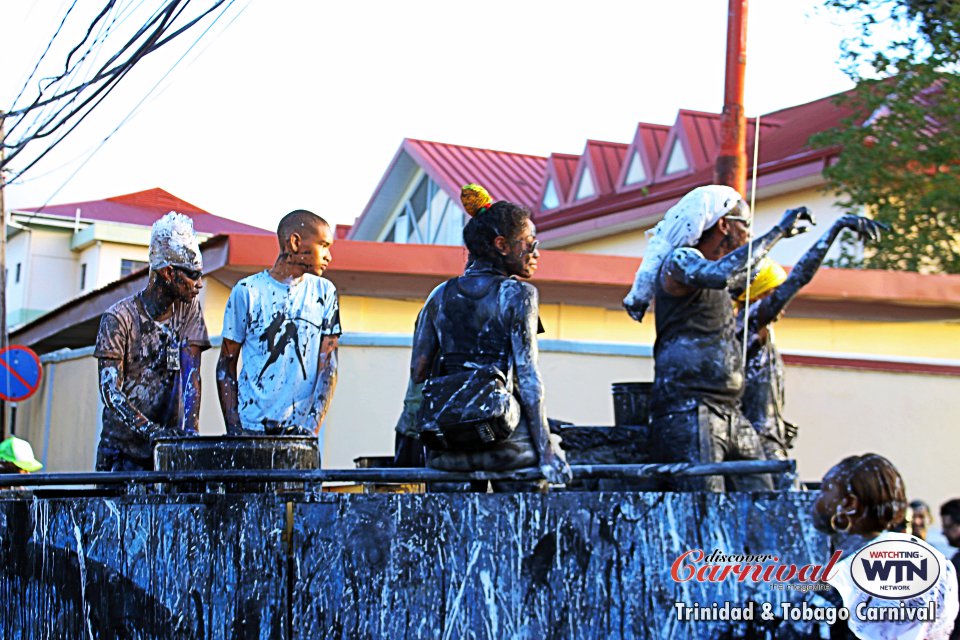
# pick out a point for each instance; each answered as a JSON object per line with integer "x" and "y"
{"x": 866, "y": 229}
{"x": 795, "y": 222}
{"x": 635, "y": 308}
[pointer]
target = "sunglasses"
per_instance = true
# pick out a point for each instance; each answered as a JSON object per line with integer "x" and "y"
{"x": 193, "y": 274}
{"x": 532, "y": 247}
{"x": 745, "y": 221}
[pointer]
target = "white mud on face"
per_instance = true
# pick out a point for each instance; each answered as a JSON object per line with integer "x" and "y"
{"x": 173, "y": 242}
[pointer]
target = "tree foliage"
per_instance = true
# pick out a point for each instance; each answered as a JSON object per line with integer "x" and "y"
{"x": 900, "y": 151}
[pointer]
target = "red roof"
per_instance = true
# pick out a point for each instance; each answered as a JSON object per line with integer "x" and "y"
{"x": 507, "y": 176}
{"x": 144, "y": 208}
{"x": 604, "y": 160}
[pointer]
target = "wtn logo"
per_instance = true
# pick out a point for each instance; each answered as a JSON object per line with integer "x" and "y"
{"x": 902, "y": 570}
{"x": 895, "y": 569}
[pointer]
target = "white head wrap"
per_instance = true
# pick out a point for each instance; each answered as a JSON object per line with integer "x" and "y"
{"x": 174, "y": 244}
{"x": 682, "y": 226}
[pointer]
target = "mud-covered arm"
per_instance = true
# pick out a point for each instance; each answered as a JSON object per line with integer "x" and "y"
{"x": 190, "y": 382}
{"x": 689, "y": 269}
{"x": 523, "y": 303}
{"x": 327, "y": 380}
{"x": 118, "y": 405}
{"x": 767, "y": 310}
{"x": 426, "y": 342}
{"x": 228, "y": 386}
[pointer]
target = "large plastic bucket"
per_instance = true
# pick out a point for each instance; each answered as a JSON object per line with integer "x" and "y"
{"x": 207, "y": 453}
{"x": 631, "y": 403}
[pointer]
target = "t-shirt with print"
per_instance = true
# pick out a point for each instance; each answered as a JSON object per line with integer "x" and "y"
{"x": 142, "y": 345}
{"x": 280, "y": 328}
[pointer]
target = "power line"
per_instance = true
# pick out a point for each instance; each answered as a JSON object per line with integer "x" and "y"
{"x": 163, "y": 32}
{"x": 135, "y": 110}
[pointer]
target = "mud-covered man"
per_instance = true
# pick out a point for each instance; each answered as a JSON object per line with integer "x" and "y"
{"x": 286, "y": 321}
{"x": 696, "y": 256}
{"x": 149, "y": 349}
{"x": 769, "y": 295}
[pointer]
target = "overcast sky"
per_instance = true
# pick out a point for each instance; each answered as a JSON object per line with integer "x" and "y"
{"x": 302, "y": 104}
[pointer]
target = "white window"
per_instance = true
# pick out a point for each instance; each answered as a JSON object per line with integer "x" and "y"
{"x": 550, "y": 198}
{"x": 678, "y": 159}
{"x": 129, "y": 266}
{"x": 426, "y": 216}
{"x": 635, "y": 172}
{"x": 585, "y": 189}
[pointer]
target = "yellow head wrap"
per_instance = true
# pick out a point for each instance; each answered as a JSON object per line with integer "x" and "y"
{"x": 474, "y": 198}
{"x": 770, "y": 275}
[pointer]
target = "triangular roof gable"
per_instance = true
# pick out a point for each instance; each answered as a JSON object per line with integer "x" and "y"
{"x": 560, "y": 169}
{"x": 604, "y": 160}
{"x": 698, "y": 134}
{"x": 648, "y": 143}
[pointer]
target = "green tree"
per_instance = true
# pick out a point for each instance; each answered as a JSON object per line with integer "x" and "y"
{"x": 900, "y": 150}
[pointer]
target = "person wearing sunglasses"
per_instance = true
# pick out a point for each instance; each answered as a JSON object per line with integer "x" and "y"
{"x": 148, "y": 349}
{"x": 698, "y": 253}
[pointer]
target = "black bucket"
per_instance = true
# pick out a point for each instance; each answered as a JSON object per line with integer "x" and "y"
{"x": 631, "y": 403}
{"x": 219, "y": 453}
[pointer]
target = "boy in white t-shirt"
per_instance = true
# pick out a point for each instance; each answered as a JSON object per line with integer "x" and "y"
{"x": 286, "y": 321}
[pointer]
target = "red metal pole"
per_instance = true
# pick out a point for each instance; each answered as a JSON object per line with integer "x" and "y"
{"x": 731, "y": 166}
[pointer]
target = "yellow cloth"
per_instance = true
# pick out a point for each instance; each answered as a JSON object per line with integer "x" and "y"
{"x": 770, "y": 275}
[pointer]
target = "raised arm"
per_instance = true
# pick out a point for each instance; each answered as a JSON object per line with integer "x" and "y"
{"x": 688, "y": 269}
{"x": 228, "y": 386}
{"x": 523, "y": 302}
{"x": 766, "y": 311}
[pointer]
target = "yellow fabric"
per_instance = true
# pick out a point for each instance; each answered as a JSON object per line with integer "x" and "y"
{"x": 770, "y": 275}
{"x": 474, "y": 197}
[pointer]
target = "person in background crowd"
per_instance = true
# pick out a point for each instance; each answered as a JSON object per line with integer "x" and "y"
{"x": 950, "y": 521}
{"x": 920, "y": 518}
{"x": 16, "y": 456}
{"x": 861, "y": 500}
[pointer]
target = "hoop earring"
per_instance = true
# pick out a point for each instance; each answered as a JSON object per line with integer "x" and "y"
{"x": 833, "y": 523}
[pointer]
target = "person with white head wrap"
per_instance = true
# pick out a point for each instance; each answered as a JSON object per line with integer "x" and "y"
{"x": 149, "y": 348}
{"x": 682, "y": 226}
{"x": 697, "y": 253}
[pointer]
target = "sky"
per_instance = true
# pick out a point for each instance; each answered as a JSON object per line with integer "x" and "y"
{"x": 289, "y": 104}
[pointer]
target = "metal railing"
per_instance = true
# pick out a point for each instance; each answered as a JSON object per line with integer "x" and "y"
{"x": 391, "y": 475}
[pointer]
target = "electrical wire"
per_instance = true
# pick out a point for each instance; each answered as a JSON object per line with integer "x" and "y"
{"x": 133, "y": 112}
{"x": 166, "y": 17}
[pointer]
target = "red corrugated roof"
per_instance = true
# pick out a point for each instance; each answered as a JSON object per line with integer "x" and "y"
{"x": 564, "y": 166}
{"x": 605, "y": 160}
{"x": 144, "y": 208}
{"x": 507, "y": 176}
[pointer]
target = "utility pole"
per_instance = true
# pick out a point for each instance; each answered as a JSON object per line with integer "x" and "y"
{"x": 3, "y": 264}
{"x": 731, "y": 169}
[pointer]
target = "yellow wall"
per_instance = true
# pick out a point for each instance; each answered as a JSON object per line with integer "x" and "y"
{"x": 938, "y": 340}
